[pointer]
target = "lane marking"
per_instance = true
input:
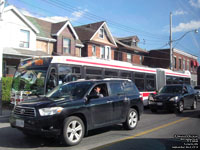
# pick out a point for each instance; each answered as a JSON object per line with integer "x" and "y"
{"x": 144, "y": 132}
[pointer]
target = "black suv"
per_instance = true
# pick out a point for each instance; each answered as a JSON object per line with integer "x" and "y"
{"x": 173, "y": 97}
{"x": 71, "y": 109}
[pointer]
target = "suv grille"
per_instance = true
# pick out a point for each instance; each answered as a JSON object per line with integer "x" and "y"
{"x": 25, "y": 111}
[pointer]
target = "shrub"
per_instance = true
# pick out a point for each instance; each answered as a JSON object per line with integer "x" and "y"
{"x": 6, "y": 88}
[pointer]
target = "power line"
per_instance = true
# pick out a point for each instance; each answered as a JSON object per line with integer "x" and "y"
{"x": 65, "y": 6}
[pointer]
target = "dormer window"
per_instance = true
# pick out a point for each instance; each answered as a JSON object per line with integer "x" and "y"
{"x": 101, "y": 32}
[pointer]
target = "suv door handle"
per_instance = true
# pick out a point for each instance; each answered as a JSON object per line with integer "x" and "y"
{"x": 109, "y": 101}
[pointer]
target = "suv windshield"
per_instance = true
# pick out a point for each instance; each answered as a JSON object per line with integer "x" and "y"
{"x": 30, "y": 80}
{"x": 171, "y": 89}
{"x": 75, "y": 90}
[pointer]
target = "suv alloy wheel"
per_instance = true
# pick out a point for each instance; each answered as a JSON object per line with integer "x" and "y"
{"x": 194, "y": 106}
{"x": 180, "y": 107}
{"x": 131, "y": 119}
{"x": 73, "y": 130}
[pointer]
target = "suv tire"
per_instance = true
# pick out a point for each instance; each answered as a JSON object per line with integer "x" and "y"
{"x": 131, "y": 119}
{"x": 73, "y": 130}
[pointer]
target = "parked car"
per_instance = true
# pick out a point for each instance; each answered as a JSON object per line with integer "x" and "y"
{"x": 197, "y": 88}
{"x": 71, "y": 109}
{"x": 173, "y": 97}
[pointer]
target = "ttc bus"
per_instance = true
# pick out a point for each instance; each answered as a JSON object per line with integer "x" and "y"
{"x": 35, "y": 77}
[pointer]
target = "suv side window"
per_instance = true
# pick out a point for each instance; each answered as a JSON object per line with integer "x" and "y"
{"x": 116, "y": 88}
{"x": 103, "y": 90}
{"x": 130, "y": 88}
{"x": 190, "y": 89}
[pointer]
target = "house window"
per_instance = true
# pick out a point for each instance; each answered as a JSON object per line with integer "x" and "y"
{"x": 174, "y": 62}
{"x": 183, "y": 64}
{"x": 180, "y": 63}
{"x": 141, "y": 59}
{"x": 66, "y": 45}
{"x": 128, "y": 57}
{"x": 188, "y": 65}
{"x": 101, "y": 33}
{"x": 93, "y": 50}
{"x": 102, "y": 52}
{"x": 108, "y": 52}
{"x": 118, "y": 55}
{"x": 24, "y": 38}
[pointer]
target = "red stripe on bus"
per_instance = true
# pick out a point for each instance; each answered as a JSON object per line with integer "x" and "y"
{"x": 146, "y": 94}
{"x": 108, "y": 65}
{"x": 177, "y": 74}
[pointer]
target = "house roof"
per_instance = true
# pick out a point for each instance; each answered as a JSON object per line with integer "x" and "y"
{"x": 43, "y": 26}
{"x": 129, "y": 38}
{"x": 85, "y": 32}
{"x": 133, "y": 48}
{"x": 49, "y": 29}
{"x": 88, "y": 31}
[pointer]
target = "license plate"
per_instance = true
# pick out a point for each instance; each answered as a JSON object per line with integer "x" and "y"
{"x": 159, "y": 104}
{"x": 19, "y": 123}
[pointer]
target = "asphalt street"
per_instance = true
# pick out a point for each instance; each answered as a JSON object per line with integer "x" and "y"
{"x": 162, "y": 130}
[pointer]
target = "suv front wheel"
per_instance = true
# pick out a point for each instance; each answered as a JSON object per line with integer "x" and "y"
{"x": 73, "y": 130}
{"x": 131, "y": 119}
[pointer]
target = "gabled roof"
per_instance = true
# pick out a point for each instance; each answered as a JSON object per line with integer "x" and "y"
{"x": 22, "y": 17}
{"x": 85, "y": 32}
{"x": 43, "y": 26}
{"x": 132, "y": 48}
{"x": 88, "y": 32}
{"x": 49, "y": 29}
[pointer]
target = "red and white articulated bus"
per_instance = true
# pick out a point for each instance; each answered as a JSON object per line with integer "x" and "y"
{"x": 37, "y": 76}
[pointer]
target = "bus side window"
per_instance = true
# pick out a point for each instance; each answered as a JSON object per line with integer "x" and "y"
{"x": 52, "y": 81}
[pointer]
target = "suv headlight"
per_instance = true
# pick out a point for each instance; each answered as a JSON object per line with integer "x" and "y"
{"x": 50, "y": 111}
{"x": 173, "y": 99}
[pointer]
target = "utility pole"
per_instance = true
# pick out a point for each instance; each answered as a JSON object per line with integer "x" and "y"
{"x": 170, "y": 43}
{"x": 2, "y": 4}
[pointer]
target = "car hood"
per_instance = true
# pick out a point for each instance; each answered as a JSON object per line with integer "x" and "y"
{"x": 43, "y": 102}
{"x": 164, "y": 96}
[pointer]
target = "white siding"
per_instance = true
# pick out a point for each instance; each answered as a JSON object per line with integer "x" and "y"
{"x": 11, "y": 31}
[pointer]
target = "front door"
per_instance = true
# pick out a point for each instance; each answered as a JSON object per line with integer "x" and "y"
{"x": 100, "y": 106}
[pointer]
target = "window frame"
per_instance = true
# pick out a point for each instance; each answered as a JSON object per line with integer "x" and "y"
{"x": 68, "y": 49}
{"x": 22, "y": 43}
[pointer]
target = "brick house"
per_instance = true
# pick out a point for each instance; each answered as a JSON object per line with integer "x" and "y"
{"x": 128, "y": 50}
{"x": 57, "y": 38}
{"x": 182, "y": 61}
{"x": 97, "y": 39}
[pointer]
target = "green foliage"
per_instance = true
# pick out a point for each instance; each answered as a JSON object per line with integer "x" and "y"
{"x": 6, "y": 88}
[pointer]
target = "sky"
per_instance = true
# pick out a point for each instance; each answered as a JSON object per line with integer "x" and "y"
{"x": 148, "y": 19}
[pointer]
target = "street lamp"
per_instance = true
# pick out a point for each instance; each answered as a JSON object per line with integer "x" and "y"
{"x": 171, "y": 41}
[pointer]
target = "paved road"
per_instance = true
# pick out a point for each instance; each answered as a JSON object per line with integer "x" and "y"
{"x": 155, "y": 131}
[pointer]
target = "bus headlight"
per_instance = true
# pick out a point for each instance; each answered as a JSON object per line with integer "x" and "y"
{"x": 173, "y": 99}
{"x": 50, "y": 111}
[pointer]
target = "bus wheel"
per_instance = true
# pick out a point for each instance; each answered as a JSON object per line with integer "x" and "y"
{"x": 73, "y": 130}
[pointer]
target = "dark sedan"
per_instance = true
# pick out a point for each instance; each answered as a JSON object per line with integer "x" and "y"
{"x": 173, "y": 97}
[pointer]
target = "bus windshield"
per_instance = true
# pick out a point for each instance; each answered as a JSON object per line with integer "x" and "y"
{"x": 30, "y": 76}
{"x": 30, "y": 80}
